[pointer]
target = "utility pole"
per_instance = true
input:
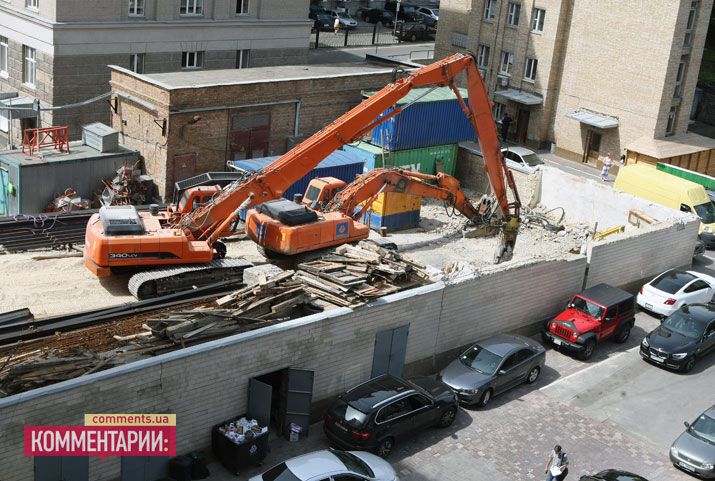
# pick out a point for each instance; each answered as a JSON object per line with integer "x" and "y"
{"x": 397, "y": 14}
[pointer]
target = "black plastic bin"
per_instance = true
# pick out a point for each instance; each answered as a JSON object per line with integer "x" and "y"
{"x": 236, "y": 456}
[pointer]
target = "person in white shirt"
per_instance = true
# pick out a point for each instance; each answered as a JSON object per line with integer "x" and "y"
{"x": 607, "y": 163}
{"x": 557, "y": 465}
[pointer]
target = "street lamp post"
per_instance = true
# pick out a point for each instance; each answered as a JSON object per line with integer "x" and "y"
{"x": 397, "y": 15}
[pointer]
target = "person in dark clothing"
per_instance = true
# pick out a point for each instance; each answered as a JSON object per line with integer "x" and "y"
{"x": 505, "y": 123}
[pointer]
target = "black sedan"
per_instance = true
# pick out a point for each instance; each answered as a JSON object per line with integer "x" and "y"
{"x": 377, "y": 15}
{"x": 612, "y": 475}
{"x": 324, "y": 23}
{"x": 682, "y": 338}
{"x": 413, "y": 33}
{"x": 493, "y": 366}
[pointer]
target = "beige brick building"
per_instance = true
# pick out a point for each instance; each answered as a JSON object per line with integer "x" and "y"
{"x": 57, "y": 51}
{"x": 187, "y": 123}
{"x": 590, "y": 77}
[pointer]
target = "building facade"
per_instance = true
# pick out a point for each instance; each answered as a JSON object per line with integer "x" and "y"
{"x": 57, "y": 51}
{"x": 588, "y": 77}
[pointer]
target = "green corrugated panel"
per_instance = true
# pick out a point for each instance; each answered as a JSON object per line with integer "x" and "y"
{"x": 439, "y": 94}
{"x": 420, "y": 160}
{"x": 702, "y": 179}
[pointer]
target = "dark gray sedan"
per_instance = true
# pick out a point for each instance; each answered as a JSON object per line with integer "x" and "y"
{"x": 493, "y": 366}
{"x": 694, "y": 450}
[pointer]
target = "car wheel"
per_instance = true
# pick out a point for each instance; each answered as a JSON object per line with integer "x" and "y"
{"x": 486, "y": 397}
{"x": 533, "y": 375}
{"x": 623, "y": 334}
{"x": 688, "y": 366}
{"x": 385, "y": 447}
{"x": 447, "y": 418}
{"x": 588, "y": 349}
{"x": 413, "y": 38}
{"x": 365, "y": 19}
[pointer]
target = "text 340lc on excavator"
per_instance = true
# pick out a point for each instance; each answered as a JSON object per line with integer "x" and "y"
{"x": 185, "y": 240}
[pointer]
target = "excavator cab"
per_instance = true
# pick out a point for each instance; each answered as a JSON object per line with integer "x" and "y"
{"x": 321, "y": 190}
{"x": 194, "y": 198}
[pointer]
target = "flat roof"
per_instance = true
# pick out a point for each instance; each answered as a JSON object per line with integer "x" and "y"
{"x": 210, "y": 78}
{"x": 48, "y": 154}
{"x": 681, "y": 144}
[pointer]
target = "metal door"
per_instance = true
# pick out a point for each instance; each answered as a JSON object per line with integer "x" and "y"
{"x": 61, "y": 468}
{"x": 184, "y": 166}
{"x": 144, "y": 468}
{"x": 390, "y": 349}
{"x": 249, "y": 135}
{"x": 522, "y": 126}
{"x": 4, "y": 206}
{"x": 298, "y": 398}
{"x": 259, "y": 401}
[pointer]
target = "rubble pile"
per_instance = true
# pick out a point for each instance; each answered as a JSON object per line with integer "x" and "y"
{"x": 67, "y": 202}
{"x": 128, "y": 187}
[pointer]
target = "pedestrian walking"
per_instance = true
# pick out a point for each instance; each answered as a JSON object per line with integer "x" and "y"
{"x": 557, "y": 465}
{"x": 505, "y": 123}
{"x": 607, "y": 163}
{"x": 336, "y": 25}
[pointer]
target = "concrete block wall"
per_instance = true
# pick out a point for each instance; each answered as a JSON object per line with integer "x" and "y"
{"x": 626, "y": 262}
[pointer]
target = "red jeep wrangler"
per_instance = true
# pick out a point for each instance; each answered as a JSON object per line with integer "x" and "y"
{"x": 596, "y": 314}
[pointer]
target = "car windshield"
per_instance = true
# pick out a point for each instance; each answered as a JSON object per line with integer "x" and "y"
{"x": 704, "y": 428}
{"x": 706, "y": 212}
{"x": 672, "y": 281}
{"x": 587, "y": 307}
{"x": 279, "y": 473}
{"x": 349, "y": 414}
{"x": 481, "y": 360}
{"x": 532, "y": 159}
{"x": 683, "y": 324}
{"x": 354, "y": 464}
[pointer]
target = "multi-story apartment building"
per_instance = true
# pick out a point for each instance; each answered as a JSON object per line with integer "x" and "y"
{"x": 57, "y": 51}
{"x": 590, "y": 77}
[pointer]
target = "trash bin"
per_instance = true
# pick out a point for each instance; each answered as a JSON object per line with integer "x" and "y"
{"x": 248, "y": 450}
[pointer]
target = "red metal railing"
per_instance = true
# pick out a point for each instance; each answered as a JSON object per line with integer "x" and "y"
{"x": 34, "y": 139}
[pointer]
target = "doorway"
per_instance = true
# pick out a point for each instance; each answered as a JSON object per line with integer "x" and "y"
{"x": 390, "y": 349}
{"x": 144, "y": 468}
{"x": 249, "y": 134}
{"x": 593, "y": 146}
{"x": 522, "y": 126}
{"x": 66, "y": 468}
{"x": 280, "y": 398}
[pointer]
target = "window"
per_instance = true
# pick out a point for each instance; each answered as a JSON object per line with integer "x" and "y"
{"x": 459, "y": 39}
{"x": 530, "y": 69}
{"x": 136, "y": 8}
{"x": 392, "y": 411}
{"x": 192, "y": 59}
{"x": 32, "y": 4}
{"x": 417, "y": 401}
{"x": 242, "y": 7}
{"x": 499, "y": 110}
{"x": 3, "y": 56}
{"x": 29, "y": 66}
{"x": 512, "y": 14}
{"x": 537, "y": 20}
{"x": 692, "y": 15}
{"x": 670, "y": 127}
{"x": 510, "y": 362}
{"x": 483, "y": 57}
{"x": 679, "y": 80}
{"x": 523, "y": 355}
{"x": 242, "y": 58}
{"x": 697, "y": 286}
{"x": 136, "y": 62}
{"x": 192, "y": 7}
{"x": 490, "y": 9}
{"x": 507, "y": 60}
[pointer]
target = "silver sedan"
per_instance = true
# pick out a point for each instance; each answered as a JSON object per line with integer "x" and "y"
{"x": 493, "y": 366}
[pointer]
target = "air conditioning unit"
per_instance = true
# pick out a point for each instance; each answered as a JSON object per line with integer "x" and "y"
{"x": 503, "y": 81}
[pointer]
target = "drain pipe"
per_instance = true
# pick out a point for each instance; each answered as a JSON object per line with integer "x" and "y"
{"x": 297, "y": 102}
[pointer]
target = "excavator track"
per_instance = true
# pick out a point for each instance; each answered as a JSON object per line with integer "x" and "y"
{"x": 160, "y": 282}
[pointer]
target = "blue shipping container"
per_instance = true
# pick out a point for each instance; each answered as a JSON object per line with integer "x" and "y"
{"x": 435, "y": 119}
{"x": 403, "y": 220}
{"x": 341, "y": 165}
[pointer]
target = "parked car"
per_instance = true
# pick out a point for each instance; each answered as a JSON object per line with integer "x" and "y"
{"x": 674, "y": 288}
{"x": 430, "y": 23}
{"x": 346, "y": 21}
{"x": 328, "y": 465}
{"x": 428, "y": 12}
{"x": 493, "y": 366}
{"x": 699, "y": 248}
{"x": 324, "y": 23}
{"x": 407, "y": 12}
{"x": 315, "y": 10}
{"x": 681, "y": 338}
{"x": 600, "y": 312}
{"x": 521, "y": 159}
{"x": 612, "y": 475}
{"x": 694, "y": 450}
{"x": 386, "y": 409}
{"x": 377, "y": 15}
{"x": 413, "y": 32}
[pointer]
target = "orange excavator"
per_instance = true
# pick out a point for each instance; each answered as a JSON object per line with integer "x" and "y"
{"x": 329, "y": 212}
{"x": 185, "y": 242}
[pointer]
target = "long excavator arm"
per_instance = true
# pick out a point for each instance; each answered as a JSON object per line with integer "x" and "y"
{"x": 208, "y": 222}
